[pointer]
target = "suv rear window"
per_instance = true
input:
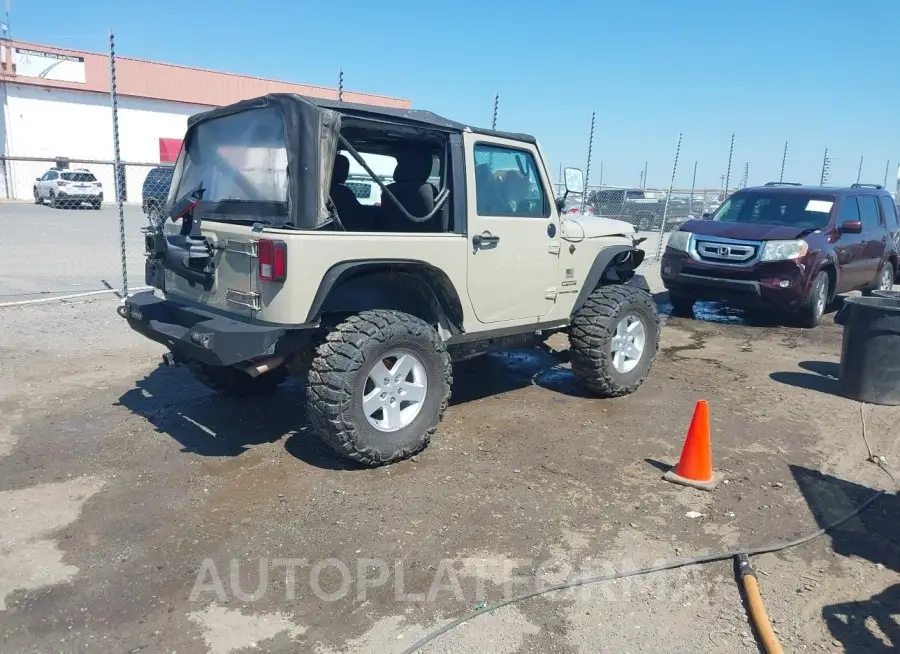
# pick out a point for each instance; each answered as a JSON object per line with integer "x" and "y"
{"x": 160, "y": 173}
{"x": 361, "y": 190}
{"x": 890, "y": 211}
{"x": 238, "y": 157}
{"x": 78, "y": 177}
{"x": 802, "y": 210}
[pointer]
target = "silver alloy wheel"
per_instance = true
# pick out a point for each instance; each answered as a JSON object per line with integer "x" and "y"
{"x": 628, "y": 343}
{"x": 887, "y": 279}
{"x": 821, "y": 300}
{"x": 395, "y": 390}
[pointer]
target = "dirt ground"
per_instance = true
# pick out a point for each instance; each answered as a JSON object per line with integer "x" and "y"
{"x": 139, "y": 512}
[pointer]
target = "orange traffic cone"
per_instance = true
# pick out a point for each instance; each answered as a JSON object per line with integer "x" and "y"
{"x": 695, "y": 465}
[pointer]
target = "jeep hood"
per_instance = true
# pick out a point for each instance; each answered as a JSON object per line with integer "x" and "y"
{"x": 576, "y": 227}
{"x": 744, "y": 231}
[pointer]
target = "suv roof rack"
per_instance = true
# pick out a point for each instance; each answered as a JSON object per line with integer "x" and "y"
{"x": 875, "y": 186}
{"x": 783, "y": 184}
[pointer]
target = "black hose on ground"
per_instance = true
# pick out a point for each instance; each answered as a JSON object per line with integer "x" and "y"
{"x": 710, "y": 558}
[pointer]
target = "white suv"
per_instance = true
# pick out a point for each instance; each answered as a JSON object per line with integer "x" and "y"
{"x": 68, "y": 188}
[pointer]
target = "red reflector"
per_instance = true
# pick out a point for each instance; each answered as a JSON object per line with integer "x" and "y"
{"x": 272, "y": 260}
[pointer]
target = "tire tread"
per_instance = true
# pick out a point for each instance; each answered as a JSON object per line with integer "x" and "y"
{"x": 591, "y": 330}
{"x": 333, "y": 369}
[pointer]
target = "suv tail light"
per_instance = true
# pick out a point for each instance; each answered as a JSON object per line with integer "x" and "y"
{"x": 272, "y": 260}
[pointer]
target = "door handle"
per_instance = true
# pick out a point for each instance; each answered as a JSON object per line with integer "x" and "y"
{"x": 484, "y": 239}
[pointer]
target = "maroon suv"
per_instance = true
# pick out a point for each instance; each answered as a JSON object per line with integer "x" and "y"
{"x": 785, "y": 247}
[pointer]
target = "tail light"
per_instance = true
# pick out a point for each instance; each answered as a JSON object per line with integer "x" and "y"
{"x": 272, "y": 260}
{"x": 62, "y": 182}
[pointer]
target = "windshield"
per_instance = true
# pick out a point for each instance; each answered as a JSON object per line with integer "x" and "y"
{"x": 802, "y": 210}
{"x": 78, "y": 177}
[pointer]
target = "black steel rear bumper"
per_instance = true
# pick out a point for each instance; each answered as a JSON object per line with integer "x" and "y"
{"x": 193, "y": 333}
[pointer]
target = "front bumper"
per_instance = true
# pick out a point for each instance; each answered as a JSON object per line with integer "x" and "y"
{"x": 777, "y": 285}
{"x": 194, "y": 333}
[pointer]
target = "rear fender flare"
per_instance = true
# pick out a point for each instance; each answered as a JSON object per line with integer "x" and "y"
{"x": 607, "y": 269}
{"x": 353, "y": 286}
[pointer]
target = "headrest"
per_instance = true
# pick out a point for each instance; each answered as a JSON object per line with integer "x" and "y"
{"x": 413, "y": 167}
{"x": 341, "y": 169}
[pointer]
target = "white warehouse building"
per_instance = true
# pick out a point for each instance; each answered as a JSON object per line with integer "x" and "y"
{"x": 55, "y": 109}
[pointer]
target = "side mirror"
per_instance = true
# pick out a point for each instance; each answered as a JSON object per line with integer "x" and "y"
{"x": 37, "y": 179}
{"x": 851, "y": 227}
{"x": 706, "y": 215}
{"x": 574, "y": 180}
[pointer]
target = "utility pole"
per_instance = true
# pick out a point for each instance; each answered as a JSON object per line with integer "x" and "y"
{"x": 496, "y": 108}
{"x": 859, "y": 170}
{"x": 783, "y": 161}
{"x": 665, "y": 217}
{"x": 693, "y": 187}
{"x": 644, "y": 183}
{"x": 587, "y": 169}
{"x": 746, "y": 177}
{"x": 887, "y": 168}
{"x": 826, "y": 166}
{"x": 340, "y": 85}
{"x": 728, "y": 171}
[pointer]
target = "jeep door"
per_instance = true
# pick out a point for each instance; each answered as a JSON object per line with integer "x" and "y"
{"x": 513, "y": 230}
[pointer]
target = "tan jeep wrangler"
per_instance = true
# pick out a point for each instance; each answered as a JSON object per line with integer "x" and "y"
{"x": 268, "y": 264}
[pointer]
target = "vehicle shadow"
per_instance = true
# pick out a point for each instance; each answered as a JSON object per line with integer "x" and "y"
{"x": 205, "y": 423}
{"x": 865, "y": 626}
{"x": 509, "y": 370}
{"x": 211, "y": 425}
{"x": 719, "y": 313}
{"x": 822, "y": 377}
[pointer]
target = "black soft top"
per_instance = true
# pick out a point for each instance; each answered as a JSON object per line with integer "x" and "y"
{"x": 412, "y": 117}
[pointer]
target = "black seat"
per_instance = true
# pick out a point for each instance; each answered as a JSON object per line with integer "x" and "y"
{"x": 412, "y": 190}
{"x": 344, "y": 200}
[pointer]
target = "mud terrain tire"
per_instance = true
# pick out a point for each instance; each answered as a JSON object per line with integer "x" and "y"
{"x": 593, "y": 333}
{"x": 341, "y": 375}
{"x": 233, "y": 382}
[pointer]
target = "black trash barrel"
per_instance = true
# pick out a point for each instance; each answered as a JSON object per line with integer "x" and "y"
{"x": 891, "y": 294}
{"x": 870, "y": 355}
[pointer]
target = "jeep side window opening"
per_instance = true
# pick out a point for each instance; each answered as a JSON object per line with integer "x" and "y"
{"x": 507, "y": 183}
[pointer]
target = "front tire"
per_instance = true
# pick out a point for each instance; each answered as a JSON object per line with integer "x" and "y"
{"x": 614, "y": 338}
{"x": 233, "y": 382}
{"x": 682, "y": 305}
{"x": 53, "y": 202}
{"x": 378, "y": 386}
{"x": 813, "y": 308}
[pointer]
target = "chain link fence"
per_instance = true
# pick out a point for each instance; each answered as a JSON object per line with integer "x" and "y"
{"x": 73, "y": 184}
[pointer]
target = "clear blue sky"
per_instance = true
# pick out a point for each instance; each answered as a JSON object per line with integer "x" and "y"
{"x": 814, "y": 72}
